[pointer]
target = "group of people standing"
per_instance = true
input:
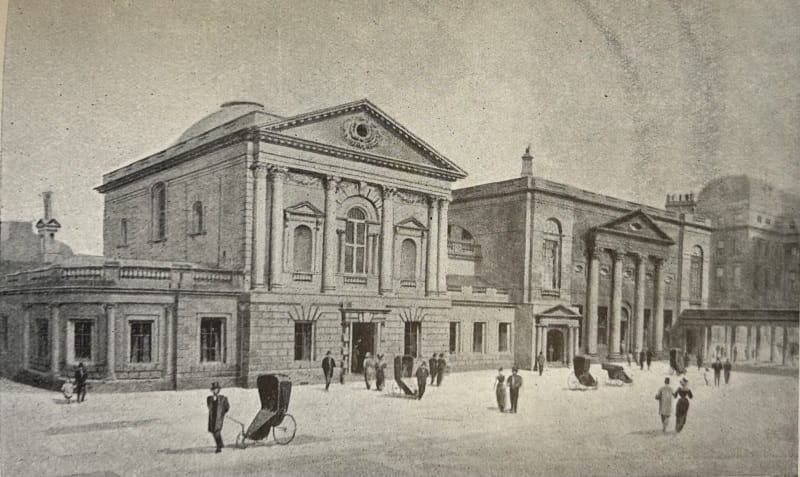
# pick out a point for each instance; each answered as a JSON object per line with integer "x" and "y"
{"x": 720, "y": 368}
{"x": 437, "y": 366}
{"x": 664, "y": 397}
{"x": 77, "y": 386}
{"x": 514, "y": 383}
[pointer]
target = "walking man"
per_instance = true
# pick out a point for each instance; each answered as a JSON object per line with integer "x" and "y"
{"x": 514, "y": 383}
{"x": 422, "y": 379}
{"x": 81, "y": 376}
{"x": 735, "y": 352}
{"x": 649, "y": 358}
{"x": 540, "y": 362}
{"x": 432, "y": 366}
{"x": 664, "y": 398}
{"x": 717, "y": 369}
{"x": 641, "y": 360}
{"x": 727, "y": 370}
{"x": 217, "y": 408}
{"x": 441, "y": 366}
{"x": 328, "y": 363}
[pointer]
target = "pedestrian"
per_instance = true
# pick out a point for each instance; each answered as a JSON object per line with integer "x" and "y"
{"x": 550, "y": 352}
{"x": 358, "y": 356}
{"x": 540, "y": 362}
{"x": 217, "y": 408}
{"x": 422, "y": 379}
{"x": 735, "y": 352}
{"x": 343, "y": 369}
{"x": 705, "y": 376}
{"x": 369, "y": 370}
{"x": 67, "y": 389}
{"x": 629, "y": 359}
{"x": 686, "y": 361}
{"x": 441, "y": 367}
{"x": 682, "y": 408}
{"x": 81, "y": 376}
{"x": 328, "y": 364}
{"x": 727, "y": 370}
{"x": 433, "y": 365}
{"x": 747, "y": 353}
{"x": 500, "y": 390}
{"x": 717, "y": 366}
{"x": 649, "y": 358}
{"x": 664, "y": 398}
{"x": 380, "y": 373}
{"x": 514, "y": 383}
{"x": 699, "y": 361}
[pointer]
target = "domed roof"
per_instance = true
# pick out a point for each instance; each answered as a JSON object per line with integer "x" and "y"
{"x": 227, "y": 112}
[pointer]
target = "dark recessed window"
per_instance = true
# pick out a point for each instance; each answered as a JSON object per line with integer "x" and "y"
{"x": 362, "y": 130}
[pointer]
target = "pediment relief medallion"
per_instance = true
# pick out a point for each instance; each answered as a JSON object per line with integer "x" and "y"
{"x": 362, "y": 132}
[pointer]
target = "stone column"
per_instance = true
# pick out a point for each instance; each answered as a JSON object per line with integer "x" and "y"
{"x": 748, "y": 348}
{"x": 444, "y": 205}
{"x": 111, "y": 334}
{"x": 771, "y": 344}
{"x": 26, "y": 337}
{"x": 757, "y": 350}
{"x": 55, "y": 340}
{"x": 277, "y": 174}
{"x": 570, "y": 345}
{"x": 658, "y": 319}
{"x": 704, "y": 346}
{"x": 259, "y": 223}
{"x": 329, "y": 239}
{"x": 591, "y": 301}
{"x": 431, "y": 282}
{"x": 641, "y": 266}
{"x": 543, "y": 349}
{"x": 785, "y": 345}
{"x": 387, "y": 241}
{"x": 616, "y": 305}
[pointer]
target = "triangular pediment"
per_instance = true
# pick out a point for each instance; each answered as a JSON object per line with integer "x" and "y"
{"x": 636, "y": 224}
{"x": 558, "y": 311}
{"x": 363, "y": 129}
{"x": 305, "y": 208}
{"x": 411, "y": 223}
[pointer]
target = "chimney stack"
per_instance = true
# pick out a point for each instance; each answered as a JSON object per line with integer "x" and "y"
{"x": 48, "y": 205}
{"x": 527, "y": 163}
{"x": 47, "y": 228}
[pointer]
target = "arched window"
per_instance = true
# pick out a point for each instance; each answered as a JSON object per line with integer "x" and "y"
{"x": 551, "y": 257}
{"x": 198, "y": 226}
{"x": 301, "y": 259}
{"x": 408, "y": 260}
{"x": 355, "y": 242}
{"x": 696, "y": 275}
{"x": 158, "y": 208}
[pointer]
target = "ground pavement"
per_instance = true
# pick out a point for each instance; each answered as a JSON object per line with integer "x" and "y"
{"x": 746, "y": 428}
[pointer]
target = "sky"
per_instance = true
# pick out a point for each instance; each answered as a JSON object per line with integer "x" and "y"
{"x": 630, "y": 99}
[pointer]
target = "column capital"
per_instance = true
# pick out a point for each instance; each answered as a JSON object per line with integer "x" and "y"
{"x": 594, "y": 251}
{"x": 444, "y": 202}
{"x": 659, "y": 262}
{"x": 277, "y": 172}
{"x": 109, "y": 307}
{"x": 389, "y": 192}
{"x": 433, "y": 201}
{"x": 54, "y": 306}
{"x": 332, "y": 181}
{"x": 259, "y": 169}
{"x": 618, "y": 254}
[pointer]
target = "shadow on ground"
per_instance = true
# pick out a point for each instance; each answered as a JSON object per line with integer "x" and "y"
{"x": 99, "y": 426}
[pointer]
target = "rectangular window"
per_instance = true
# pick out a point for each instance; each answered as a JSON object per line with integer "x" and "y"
{"x": 42, "y": 338}
{"x": 3, "y": 333}
{"x": 477, "y": 337}
{"x": 411, "y": 341}
{"x": 737, "y": 276}
{"x": 503, "y": 337}
{"x": 212, "y": 340}
{"x": 82, "y": 340}
{"x": 720, "y": 245}
{"x": 551, "y": 267}
{"x": 696, "y": 279}
{"x": 455, "y": 337}
{"x": 602, "y": 325}
{"x": 303, "y": 338}
{"x": 123, "y": 232}
{"x": 141, "y": 341}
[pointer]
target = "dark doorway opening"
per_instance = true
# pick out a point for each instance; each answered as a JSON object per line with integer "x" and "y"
{"x": 363, "y": 343}
{"x": 555, "y": 346}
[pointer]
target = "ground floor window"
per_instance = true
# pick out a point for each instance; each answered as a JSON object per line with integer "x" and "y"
{"x": 411, "y": 341}
{"x": 455, "y": 336}
{"x": 82, "y": 340}
{"x": 602, "y": 325}
{"x": 302, "y": 340}
{"x": 42, "y": 337}
{"x": 667, "y": 327}
{"x": 478, "y": 330}
{"x": 503, "y": 337}
{"x": 141, "y": 333}
{"x": 212, "y": 340}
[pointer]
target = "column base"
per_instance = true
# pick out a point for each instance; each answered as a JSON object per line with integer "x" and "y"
{"x": 275, "y": 286}
{"x": 614, "y": 357}
{"x": 328, "y": 289}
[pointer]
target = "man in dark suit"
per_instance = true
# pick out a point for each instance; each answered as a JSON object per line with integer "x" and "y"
{"x": 328, "y": 363}
{"x": 422, "y": 379}
{"x": 514, "y": 383}
{"x": 649, "y": 358}
{"x": 433, "y": 364}
{"x": 81, "y": 376}
{"x": 717, "y": 366}
{"x": 641, "y": 359}
{"x": 441, "y": 365}
{"x": 540, "y": 362}
{"x": 217, "y": 408}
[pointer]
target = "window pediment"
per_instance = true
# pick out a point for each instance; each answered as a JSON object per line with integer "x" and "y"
{"x": 306, "y": 209}
{"x": 410, "y": 224}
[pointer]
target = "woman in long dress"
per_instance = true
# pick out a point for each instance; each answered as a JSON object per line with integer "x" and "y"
{"x": 500, "y": 390}
{"x": 369, "y": 370}
{"x": 683, "y": 394}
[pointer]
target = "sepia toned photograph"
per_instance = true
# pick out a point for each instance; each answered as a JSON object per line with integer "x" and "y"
{"x": 399, "y": 238}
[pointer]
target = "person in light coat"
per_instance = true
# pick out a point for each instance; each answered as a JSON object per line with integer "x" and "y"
{"x": 664, "y": 398}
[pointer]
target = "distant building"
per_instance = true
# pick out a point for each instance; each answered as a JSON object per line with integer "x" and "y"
{"x": 587, "y": 273}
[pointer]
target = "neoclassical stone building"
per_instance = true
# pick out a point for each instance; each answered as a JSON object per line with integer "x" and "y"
{"x": 255, "y": 244}
{"x": 587, "y": 273}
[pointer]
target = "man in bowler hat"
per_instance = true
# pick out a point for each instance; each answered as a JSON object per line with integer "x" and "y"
{"x": 514, "y": 383}
{"x": 217, "y": 408}
{"x": 422, "y": 379}
{"x": 328, "y": 363}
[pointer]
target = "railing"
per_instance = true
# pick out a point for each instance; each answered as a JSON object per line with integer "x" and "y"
{"x": 82, "y": 273}
{"x": 213, "y": 276}
{"x": 480, "y": 293}
{"x": 408, "y": 284}
{"x": 145, "y": 273}
{"x": 302, "y": 277}
{"x": 355, "y": 280}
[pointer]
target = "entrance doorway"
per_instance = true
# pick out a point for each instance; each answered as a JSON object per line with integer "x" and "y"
{"x": 555, "y": 346}
{"x": 363, "y": 342}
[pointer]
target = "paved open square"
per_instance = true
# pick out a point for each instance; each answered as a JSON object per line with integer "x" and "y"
{"x": 748, "y": 427}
